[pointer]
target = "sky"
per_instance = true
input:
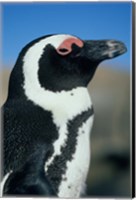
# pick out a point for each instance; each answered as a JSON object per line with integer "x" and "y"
{"x": 23, "y": 22}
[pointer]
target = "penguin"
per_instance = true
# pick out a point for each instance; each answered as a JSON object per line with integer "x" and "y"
{"x": 48, "y": 115}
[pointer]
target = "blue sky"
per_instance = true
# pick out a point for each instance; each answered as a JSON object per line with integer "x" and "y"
{"x": 23, "y": 22}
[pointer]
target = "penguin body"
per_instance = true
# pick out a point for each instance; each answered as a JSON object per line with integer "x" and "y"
{"x": 48, "y": 116}
{"x": 66, "y": 142}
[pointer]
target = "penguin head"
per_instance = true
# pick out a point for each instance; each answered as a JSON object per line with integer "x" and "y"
{"x": 63, "y": 62}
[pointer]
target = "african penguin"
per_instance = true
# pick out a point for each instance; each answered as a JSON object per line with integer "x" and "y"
{"x": 48, "y": 115}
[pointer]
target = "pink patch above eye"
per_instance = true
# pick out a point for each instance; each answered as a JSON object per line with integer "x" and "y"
{"x": 66, "y": 46}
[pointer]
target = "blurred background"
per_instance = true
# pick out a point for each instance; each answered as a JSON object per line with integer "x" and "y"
{"x": 109, "y": 174}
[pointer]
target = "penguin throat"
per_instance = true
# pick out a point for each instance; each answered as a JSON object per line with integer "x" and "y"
{"x": 64, "y": 105}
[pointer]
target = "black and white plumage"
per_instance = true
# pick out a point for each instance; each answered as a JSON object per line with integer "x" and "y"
{"x": 48, "y": 115}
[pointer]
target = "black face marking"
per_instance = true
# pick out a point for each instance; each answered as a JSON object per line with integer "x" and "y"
{"x": 58, "y": 166}
{"x": 57, "y": 73}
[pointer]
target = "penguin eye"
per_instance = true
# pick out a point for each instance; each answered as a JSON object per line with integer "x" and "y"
{"x": 65, "y": 47}
{"x": 63, "y": 50}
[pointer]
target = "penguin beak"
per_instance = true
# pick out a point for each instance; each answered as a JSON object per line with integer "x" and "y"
{"x": 99, "y": 50}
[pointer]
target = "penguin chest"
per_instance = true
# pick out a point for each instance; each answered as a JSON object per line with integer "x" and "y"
{"x": 73, "y": 180}
{"x": 68, "y": 166}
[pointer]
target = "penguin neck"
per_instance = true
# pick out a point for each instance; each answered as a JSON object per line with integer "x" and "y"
{"x": 63, "y": 105}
